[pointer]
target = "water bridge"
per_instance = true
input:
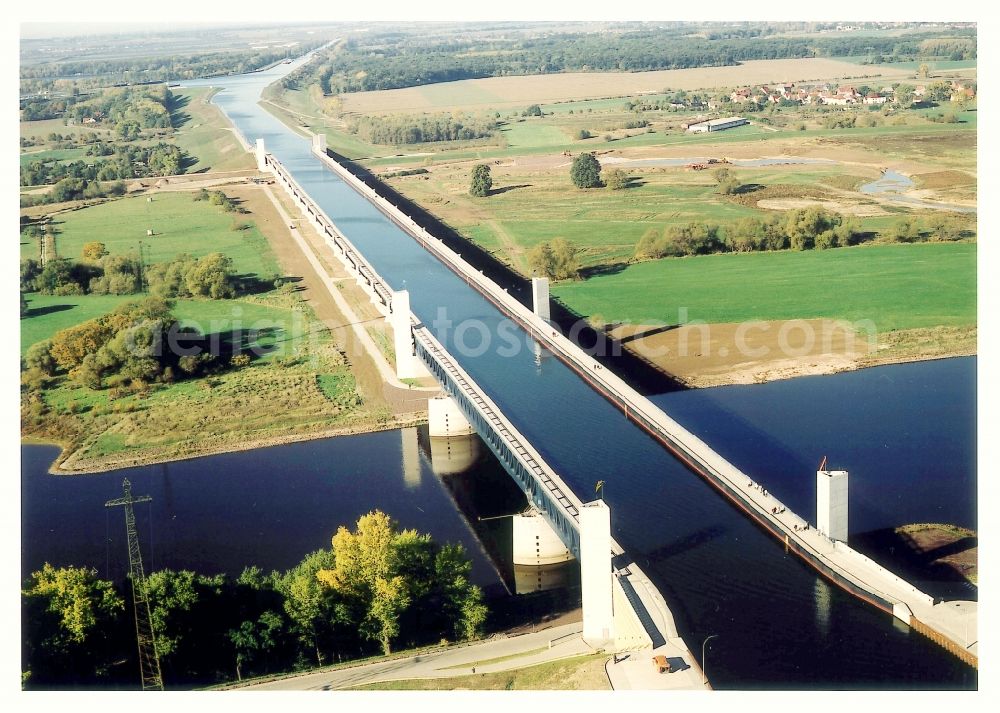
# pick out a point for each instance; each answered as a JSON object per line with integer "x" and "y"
{"x": 417, "y": 350}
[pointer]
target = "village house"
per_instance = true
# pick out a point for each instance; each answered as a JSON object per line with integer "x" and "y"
{"x": 874, "y": 98}
{"x": 741, "y": 96}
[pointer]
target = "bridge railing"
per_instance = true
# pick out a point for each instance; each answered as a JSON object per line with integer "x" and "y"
{"x": 381, "y": 291}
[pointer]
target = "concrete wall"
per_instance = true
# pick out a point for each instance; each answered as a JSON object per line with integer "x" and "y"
{"x": 540, "y": 296}
{"x": 831, "y": 503}
{"x": 630, "y": 634}
{"x": 535, "y": 543}
{"x": 445, "y": 418}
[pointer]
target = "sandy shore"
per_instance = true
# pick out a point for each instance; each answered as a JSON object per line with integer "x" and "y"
{"x": 703, "y": 356}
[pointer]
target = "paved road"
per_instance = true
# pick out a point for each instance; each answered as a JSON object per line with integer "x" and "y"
{"x": 527, "y": 649}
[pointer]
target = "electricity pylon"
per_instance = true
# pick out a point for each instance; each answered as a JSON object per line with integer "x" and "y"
{"x": 149, "y": 659}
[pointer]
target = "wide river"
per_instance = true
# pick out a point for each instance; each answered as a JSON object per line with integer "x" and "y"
{"x": 779, "y": 625}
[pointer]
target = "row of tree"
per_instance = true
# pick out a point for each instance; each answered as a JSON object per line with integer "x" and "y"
{"x": 99, "y": 273}
{"x": 403, "y": 129}
{"x": 800, "y": 229}
{"x": 74, "y": 189}
{"x": 391, "y": 60}
{"x": 377, "y": 588}
{"x": 127, "y": 161}
{"x": 146, "y": 70}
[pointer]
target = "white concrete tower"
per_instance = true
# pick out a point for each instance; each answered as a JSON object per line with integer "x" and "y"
{"x": 259, "y": 152}
{"x": 319, "y": 143}
{"x": 831, "y": 503}
{"x": 445, "y": 418}
{"x": 540, "y": 296}
{"x": 595, "y": 573}
{"x": 408, "y": 366}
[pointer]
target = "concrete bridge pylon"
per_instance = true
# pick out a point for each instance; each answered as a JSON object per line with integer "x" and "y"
{"x": 260, "y": 153}
{"x": 408, "y": 365}
{"x": 596, "y": 573}
{"x": 445, "y": 418}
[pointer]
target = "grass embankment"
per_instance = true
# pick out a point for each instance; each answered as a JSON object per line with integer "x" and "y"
{"x": 896, "y": 286}
{"x": 298, "y": 383}
{"x": 202, "y": 131}
{"x": 578, "y": 673}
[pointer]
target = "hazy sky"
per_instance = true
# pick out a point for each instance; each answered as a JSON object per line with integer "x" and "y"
{"x": 35, "y": 30}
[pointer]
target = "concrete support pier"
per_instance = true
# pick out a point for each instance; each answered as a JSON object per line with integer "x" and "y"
{"x": 535, "y": 542}
{"x": 831, "y": 504}
{"x": 260, "y": 153}
{"x": 595, "y": 573}
{"x": 540, "y": 297}
{"x": 445, "y": 418}
{"x": 408, "y": 366}
{"x": 319, "y": 143}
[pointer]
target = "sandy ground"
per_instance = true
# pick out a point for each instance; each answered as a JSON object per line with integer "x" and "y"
{"x": 516, "y": 91}
{"x": 747, "y": 353}
{"x": 837, "y": 206}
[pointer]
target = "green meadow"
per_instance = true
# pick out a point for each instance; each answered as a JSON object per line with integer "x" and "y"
{"x": 179, "y": 225}
{"x": 895, "y": 286}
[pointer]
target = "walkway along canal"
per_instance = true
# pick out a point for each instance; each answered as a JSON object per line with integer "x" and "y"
{"x": 779, "y": 624}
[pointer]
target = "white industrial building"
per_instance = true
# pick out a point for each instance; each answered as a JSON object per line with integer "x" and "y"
{"x": 717, "y": 125}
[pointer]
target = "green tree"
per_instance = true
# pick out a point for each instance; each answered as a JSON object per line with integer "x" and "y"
{"x": 69, "y": 620}
{"x": 905, "y": 230}
{"x": 308, "y": 604}
{"x": 945, "y": 228}
{"x": 585, "y": 171}
{"x": 618, "y": 179}
{"x": 482, "y": 181}
{"x": 557, "y": 260}
{"x": 253, "y": 637}
{"x": 39, "y": 356}
{"x": 727, "y": 181}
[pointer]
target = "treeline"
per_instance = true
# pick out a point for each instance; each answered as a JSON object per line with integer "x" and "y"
{"x": 144, "y": 70}
{"x": 801, "y": 229}
{"x": 376, "y": 589}
{"x": 74, "y": 189}
{"x": 124, "y": 162}
{"x": 211, "y": 276}
{"x": 402, "y": 129}
{"x": 390, "y": 61}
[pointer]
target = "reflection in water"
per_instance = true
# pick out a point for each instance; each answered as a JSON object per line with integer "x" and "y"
{"x": 821, "y": 592}
{"x": 411, "y": 458}
{"x": 541, "y": 578}
{"x": 453, "y": 455}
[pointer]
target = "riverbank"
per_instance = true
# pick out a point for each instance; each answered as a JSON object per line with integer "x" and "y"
{"x": 72, "y": 463}
{"x": 705, "y": 356}
{"x": 315, "y": 378}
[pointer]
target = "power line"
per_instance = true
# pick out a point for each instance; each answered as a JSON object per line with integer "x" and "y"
{"x": 149, "y": 658}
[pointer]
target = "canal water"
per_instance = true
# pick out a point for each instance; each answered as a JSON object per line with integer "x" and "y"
{"x": 779, "y": 625}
